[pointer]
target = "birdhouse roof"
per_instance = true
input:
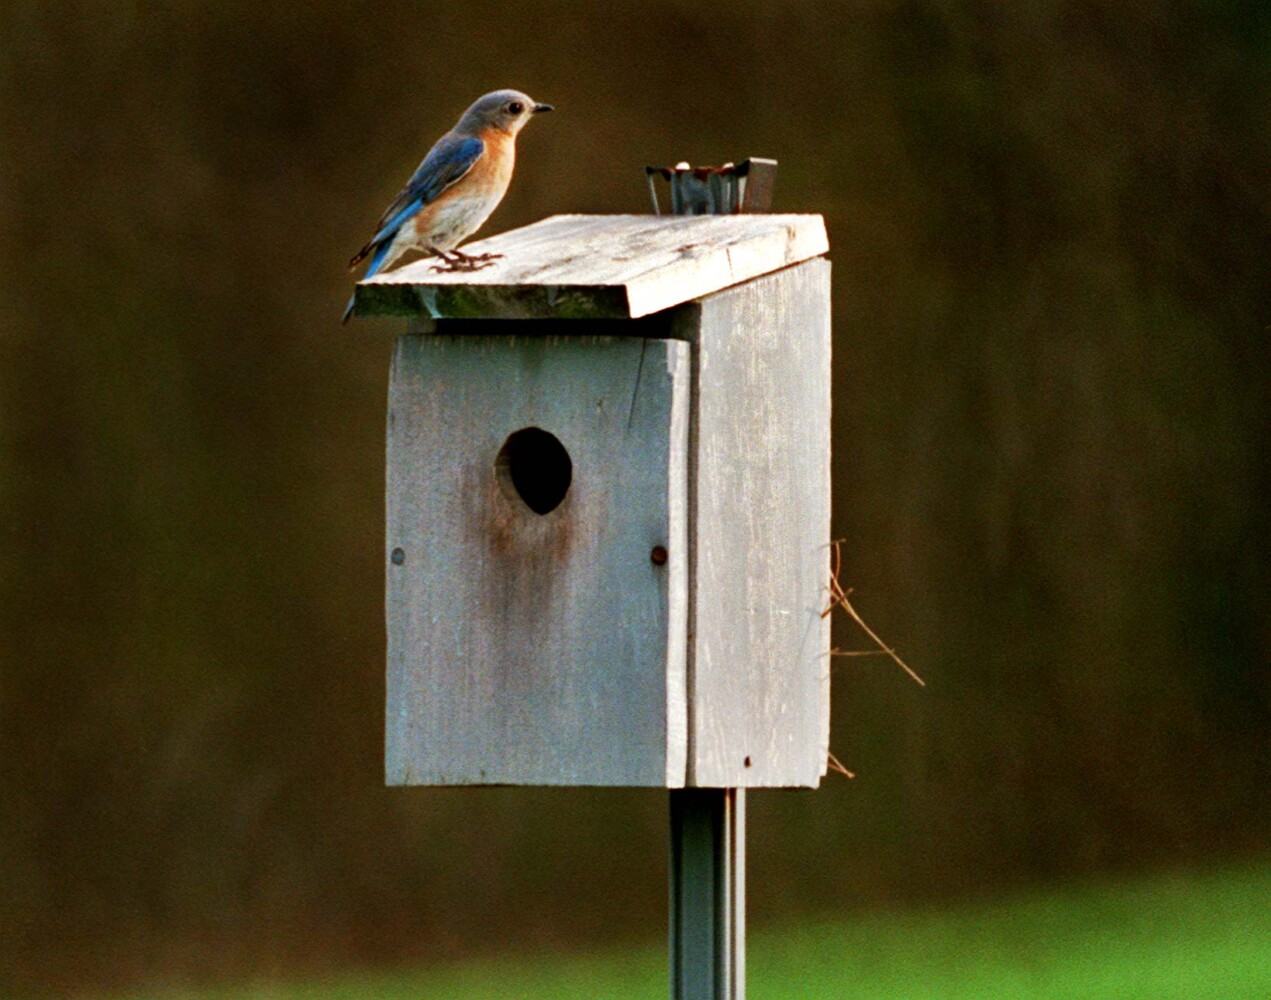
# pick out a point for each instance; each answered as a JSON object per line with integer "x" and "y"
{"x": 598, "y": 266}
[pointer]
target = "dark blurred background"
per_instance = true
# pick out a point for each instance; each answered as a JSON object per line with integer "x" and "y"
{"x": 1051, "y": 228}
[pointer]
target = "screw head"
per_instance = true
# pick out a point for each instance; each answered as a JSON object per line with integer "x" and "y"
{"x": 658, "y": 555}
{"x": 399, "y": 557}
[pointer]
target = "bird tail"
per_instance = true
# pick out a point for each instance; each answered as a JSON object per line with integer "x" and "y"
{"x": 361, "y": 255}
{"x": 381, "y": 251}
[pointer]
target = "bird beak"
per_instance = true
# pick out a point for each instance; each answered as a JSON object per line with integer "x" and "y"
{"x": 540, "y": 108}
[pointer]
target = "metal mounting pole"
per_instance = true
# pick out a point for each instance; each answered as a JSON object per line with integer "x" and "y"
{"x": 708, "y": 825}
{"x": 708, "y": 894}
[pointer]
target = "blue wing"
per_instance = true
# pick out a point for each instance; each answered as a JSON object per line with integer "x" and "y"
{"x": 447, "y": 162}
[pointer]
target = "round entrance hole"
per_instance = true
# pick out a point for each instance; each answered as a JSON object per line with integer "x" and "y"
{"x": 535, "y": 466}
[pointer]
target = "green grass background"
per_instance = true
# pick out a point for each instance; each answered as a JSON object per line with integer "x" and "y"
{"x": 1173, "y": 936}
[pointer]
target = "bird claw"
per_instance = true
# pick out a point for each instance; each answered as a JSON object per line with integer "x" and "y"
{"x": 453, "y": 266}
{"x": 465, "y": 262}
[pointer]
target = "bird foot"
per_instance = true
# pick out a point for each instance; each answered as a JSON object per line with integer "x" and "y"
{"x": 454, "y": 266}
{"x": 464, "y": 262}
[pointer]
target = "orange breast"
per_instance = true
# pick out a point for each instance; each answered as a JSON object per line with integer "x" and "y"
{"x": 493, "y": 171}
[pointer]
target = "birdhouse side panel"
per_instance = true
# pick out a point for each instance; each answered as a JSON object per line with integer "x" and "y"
{"x": 759, "y": 663}
{"x": 534, "y": 635}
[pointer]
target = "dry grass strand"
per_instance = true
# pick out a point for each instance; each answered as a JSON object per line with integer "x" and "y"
{"x": 839, "y": 599}
{"x": 835, "y": 765}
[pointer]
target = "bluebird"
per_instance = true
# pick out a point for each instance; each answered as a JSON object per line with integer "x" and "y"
{"x": 456, "y": 187}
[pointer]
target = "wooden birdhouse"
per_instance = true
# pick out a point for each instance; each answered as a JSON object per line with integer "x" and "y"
{"x": 609, "y": 506}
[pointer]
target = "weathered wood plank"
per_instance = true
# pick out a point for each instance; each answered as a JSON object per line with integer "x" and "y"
{"x": 581, "y": 266}
{"x": 529, "y": 648}
{"x": 758, "y": 668}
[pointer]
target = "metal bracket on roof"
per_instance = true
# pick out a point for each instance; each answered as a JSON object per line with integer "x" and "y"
{"x": 744, "y": 187}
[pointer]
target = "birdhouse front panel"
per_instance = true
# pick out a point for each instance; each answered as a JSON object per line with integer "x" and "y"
{"x": 537, "y": 559}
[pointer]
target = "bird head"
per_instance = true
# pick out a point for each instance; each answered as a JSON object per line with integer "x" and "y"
{"x": 506, "y": 110}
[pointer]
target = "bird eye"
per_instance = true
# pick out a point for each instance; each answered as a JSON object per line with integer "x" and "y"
{"x": 515, "y": 108}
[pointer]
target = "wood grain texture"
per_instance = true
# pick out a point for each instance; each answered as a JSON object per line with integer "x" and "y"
{"x": 760, "y": 500}
{"x": 599, "y": 266}
{"x": 525, "y": 648}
